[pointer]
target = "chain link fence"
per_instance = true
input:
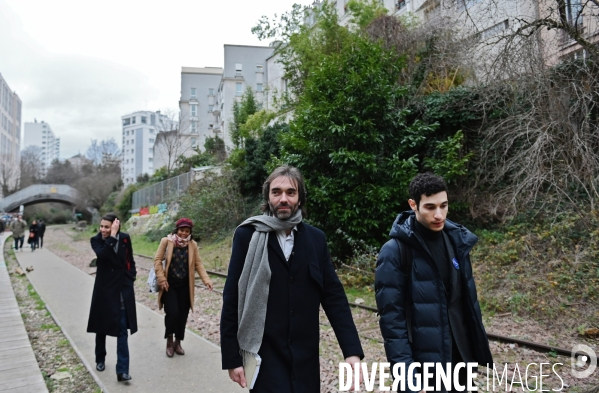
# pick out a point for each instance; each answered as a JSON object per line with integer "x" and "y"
{"x": 162, "y": 192}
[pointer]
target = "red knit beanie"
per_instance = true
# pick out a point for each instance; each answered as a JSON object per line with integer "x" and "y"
{"x": 184, "y": 222}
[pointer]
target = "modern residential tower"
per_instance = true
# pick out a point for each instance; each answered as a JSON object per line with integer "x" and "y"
{"x": 10, "y": 134}
{"x": 139, "y": 134}
{"x": 40, "y": 134}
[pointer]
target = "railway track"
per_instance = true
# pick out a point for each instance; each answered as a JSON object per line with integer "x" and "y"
{"x": 491, "y": 336}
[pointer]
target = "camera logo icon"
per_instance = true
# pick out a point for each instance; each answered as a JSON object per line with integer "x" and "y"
{"x": 579, "y": 361}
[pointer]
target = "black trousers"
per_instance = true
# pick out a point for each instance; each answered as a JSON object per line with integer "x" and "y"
{"x": 122, "y": 347}
{"x": 41, "y": 241}
{"x": 176, "y": 306}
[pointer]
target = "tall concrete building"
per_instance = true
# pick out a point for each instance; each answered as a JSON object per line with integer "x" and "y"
{"x": 245, "y": 67}
{"x": 10, "y": 135}
{"x": 198, "y": 98}
{"x": 139, "y": 135}
{"x": 40, "y": 134}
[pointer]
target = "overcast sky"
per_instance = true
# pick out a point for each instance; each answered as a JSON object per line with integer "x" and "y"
{"x": 81, "y": 65}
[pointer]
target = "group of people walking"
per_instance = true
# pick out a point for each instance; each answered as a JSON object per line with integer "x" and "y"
{"x": 37, "y": 229}
{"x": 280, "y": 274}
{"x": 113, "y": 311}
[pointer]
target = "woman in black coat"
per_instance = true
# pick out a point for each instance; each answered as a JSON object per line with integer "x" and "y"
{"x": 112, "y": 309}
{"x": 33, "y": 235}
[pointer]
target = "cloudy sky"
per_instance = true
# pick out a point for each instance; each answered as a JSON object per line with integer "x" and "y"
{"x": 81, "y": 65}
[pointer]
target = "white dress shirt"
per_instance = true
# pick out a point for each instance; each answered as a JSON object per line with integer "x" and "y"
{"x": 286, "y": 242}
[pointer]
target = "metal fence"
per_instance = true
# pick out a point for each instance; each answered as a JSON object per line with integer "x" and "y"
{"x": 162, "y": 192}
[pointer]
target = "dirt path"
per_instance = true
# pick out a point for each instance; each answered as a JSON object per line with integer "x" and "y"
{"x": 205, "y": 321}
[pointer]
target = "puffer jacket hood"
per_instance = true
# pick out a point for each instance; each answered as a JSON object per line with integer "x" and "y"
{"x": 461, "y": 237}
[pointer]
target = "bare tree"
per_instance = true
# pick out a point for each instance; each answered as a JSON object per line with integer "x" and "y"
{"x": 99, "y": 152}
{"x": 31, "y": 166}
{"x": 174, "y": 139}
{"x": 9, "y": 174}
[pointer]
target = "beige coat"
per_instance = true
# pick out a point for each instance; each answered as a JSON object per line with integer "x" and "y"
{"x": 195, "y": 265}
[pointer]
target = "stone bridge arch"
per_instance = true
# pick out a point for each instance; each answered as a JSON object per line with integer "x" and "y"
{"x": 39, "y": 193}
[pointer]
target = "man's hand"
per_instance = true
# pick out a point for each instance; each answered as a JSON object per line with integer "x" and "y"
{"x": 164, "y": 285}
{"x": 238, "y": 375}
{"x": 209, "y": 285}
{"x": 114, "y": 228}
{"x": 353, "y": 360}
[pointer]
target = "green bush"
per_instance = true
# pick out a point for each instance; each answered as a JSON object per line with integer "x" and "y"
{"x": 214, "y": 204}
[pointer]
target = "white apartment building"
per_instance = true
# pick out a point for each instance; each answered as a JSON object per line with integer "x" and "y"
{"x": 40, "y": 134}
{"x": 10, "y": 132}
{"x": 198, "y": 98}
{"x": 139, "y": 134}
{"x": 245, "y": 66}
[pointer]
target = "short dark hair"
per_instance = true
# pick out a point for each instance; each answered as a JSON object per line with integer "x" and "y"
{"x": 426, "y": 184}
{"x": 109, "y": 217}
{"x": 295, "y": 176}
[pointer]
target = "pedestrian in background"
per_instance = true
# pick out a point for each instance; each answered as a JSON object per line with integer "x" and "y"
{"x": 32, "y": 241}
{"x": 112, "y": 309}
{"x": 41, "y": 230}
{"x": 177, "y": 281}
{"x": 18, "y": 228}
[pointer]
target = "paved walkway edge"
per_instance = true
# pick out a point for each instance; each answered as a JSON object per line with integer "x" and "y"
{"x": 220, "y": 384}
{"x": 41, "y": 383}
{"x": 71, "y": 341}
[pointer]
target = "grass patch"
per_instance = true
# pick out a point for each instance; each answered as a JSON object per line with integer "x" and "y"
{"x": 63, "y": 343}
{"x": 365, "y": 293}
{"x": 84, "y": 235}
{"x": 141, "y": 245}
{"x": 50, "y": 327}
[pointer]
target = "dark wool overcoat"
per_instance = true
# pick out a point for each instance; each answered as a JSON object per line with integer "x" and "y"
{"x": 115, "y": 275}
{"x": 298, "y": 287}
{"x": 431, "y": 331}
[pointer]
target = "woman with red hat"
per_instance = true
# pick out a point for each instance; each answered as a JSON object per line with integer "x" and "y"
{"x": 177, "y": 280}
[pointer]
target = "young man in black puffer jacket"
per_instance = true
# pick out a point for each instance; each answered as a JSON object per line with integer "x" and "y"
{"x": 428, "y": 303}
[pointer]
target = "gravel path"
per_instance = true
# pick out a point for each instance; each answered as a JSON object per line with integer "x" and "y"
{"x": 204, "y": 320}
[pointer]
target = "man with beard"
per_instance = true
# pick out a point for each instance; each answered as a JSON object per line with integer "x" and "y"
{"x": 280, "y": 273}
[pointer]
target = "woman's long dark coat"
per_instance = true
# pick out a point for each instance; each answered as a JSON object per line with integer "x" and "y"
{"x": 115, "y": 275}
{"x": 298, "y": 287}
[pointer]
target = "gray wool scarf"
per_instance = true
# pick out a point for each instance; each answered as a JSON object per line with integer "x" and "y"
{"x": 254, "y": 282}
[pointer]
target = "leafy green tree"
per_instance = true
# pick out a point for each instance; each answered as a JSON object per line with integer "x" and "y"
{"x": 258, "y": 152}
{"x": 242, "y": 109}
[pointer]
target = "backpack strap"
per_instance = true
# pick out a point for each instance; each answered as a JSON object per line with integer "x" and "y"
{"x": 406, "y": 260}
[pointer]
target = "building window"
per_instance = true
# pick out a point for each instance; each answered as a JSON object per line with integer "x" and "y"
{"x": 194, "y": 142}
{"x": 133, "y": 120}
{"x": 259, "y": 68}
{"x": 194, "y": 110}
{"x": 573, "y": 11}
{"x": 210, "y": 126}
{"x": 400, "y": 4}
{"x": 126, "y": 122}
{"x": 132, "y": 151}
{"x": 151, "y": 140}
{"x": 144, "y": 120}
{"x": 194, "y": 126}
{"x": 238, "y": 89}
{"x": 150, "y": 150}
{"x": 150, "y": 159}
{"x": 238, "y": 68}
{"x": 210, "y": 108}
{"x": 210, "y": 92}
{"x": 193, "y": 92}
{"x": 259, "y": 87}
